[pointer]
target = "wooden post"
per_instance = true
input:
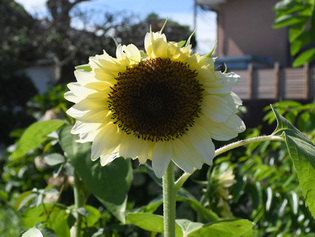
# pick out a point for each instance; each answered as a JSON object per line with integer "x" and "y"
{"x": 276, "y": 80}
{"x": 307, "y": 80}
{"x": 250, "y": 81}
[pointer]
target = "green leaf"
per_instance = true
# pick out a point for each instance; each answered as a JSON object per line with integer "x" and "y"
{"x": 32, "y": 232}
{"x": 33, "y": 136}
{"x": 25, "y": 198}
{"x": 143, "y": 54}
{"x": 288, "y": 20}
{"x": 93, "y": 215}
{"x": 302, "y": 152}
{"x": 150, "y": 222}
{"x": 54, "y": 159}
{"x": 296, "y": 30}
{"x": 256, "y": 194}
{"x": 109, "y": 184}
{"x": 224, "y": 228}
{"x": 306, "y": 122}
{"x": 32, "y": 216}
{"x": 291, "y": 116}
{"x": 204, "y": 213}
{"x": 288, "y": 6}
{"x": 302, "y": 40}
{"x": 57, "y": 220}
{"x": 238, "y": 188}
{"x": 181, "y": 43}
{"x": 188, "y": 226}
{"x": 304, "y": 57}
{"x": 153, "y": 205}
{"x": 285, "y": 126}
{"x": 4, "y": 196}
{"x": 84, "y": 67}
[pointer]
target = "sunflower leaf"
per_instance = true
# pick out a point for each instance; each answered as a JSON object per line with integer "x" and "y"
{"x": 235, "y": 227}
{"x": 109, "y": 184}
{"x": 302, "y": 152}
{"x": 33, "y": 136}
{"x": 150, "y": 222}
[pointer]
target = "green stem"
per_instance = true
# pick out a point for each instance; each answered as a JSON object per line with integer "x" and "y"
{"x": 169, "y": 201}
{"x": 181, "y": 180}
{"x": 179, "y": 183}
{"x": 78, "y": 203}
{"x": 246, "y": 142}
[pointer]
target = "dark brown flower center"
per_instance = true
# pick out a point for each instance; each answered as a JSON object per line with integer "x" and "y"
{"x": 158, "y": 99}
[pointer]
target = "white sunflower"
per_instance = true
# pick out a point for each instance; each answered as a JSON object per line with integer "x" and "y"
{"x": 166, "y": 105}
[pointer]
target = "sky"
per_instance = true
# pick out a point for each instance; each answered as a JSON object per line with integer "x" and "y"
{"x": 181, "y": 11}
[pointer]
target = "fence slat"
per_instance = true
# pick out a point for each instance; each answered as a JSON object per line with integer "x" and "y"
{"x": 275, "y": 83}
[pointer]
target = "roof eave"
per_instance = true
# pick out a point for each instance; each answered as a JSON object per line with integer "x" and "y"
{"x": 213, "y": 4}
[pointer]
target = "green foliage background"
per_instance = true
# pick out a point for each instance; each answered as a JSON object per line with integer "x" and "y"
{"x": 263, "y": 187}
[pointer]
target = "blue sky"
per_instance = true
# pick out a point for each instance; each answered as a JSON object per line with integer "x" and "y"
{"x": 177, "y": 10}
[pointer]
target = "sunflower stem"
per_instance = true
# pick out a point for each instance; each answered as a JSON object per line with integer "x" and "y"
{"x": 78, "y": 203}
{"x": 246, "y": 142}
{"x": 169, "y": 201}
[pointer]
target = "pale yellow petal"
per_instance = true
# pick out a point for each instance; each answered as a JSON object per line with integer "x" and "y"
{"x": 87, "y": 136}
{"x": 223, "y": 83}
{"x": 236, "y": 123}
{"x": 85, "y": 78}
{"x": 107, "y": 158}
{"x": 128, "y": 55}
{"x": 184, "y": 157}
{"x": 106, "y": 141}
{"x": 202, "y": 142}
{"x": 150, "y": 38}
{"x": 217, "y": 131}
{"x": 71, "y": 97}
{"x": 79, "y": 90}
{"x": 89, "y": 104}
{"x": 131, "y": 146}
{"x": 218, "y": 108}
{"x": 161, "y": 157}
{"x": 92, "y": 116}
{"x": 80, "y": 127}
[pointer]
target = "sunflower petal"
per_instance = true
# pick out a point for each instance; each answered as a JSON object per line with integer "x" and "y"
{"x": 106, "y": 141}
{"x": 161, "y": 157}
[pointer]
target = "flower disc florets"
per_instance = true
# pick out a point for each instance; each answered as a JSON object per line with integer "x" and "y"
{"x": 156, "y": 100}
{"x": 167, "y": 105}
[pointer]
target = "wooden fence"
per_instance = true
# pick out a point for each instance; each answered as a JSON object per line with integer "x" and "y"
{"x": 276, "y": 83}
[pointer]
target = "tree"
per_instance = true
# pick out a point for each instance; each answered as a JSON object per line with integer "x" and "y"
{"x": 134, "y": 33}
{"x": 17, "y": 51}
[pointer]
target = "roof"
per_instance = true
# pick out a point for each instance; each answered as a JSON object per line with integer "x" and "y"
{"x": 210, "y": 3}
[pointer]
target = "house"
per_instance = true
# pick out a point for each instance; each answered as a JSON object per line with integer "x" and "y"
{"x": 250, "y": 47}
